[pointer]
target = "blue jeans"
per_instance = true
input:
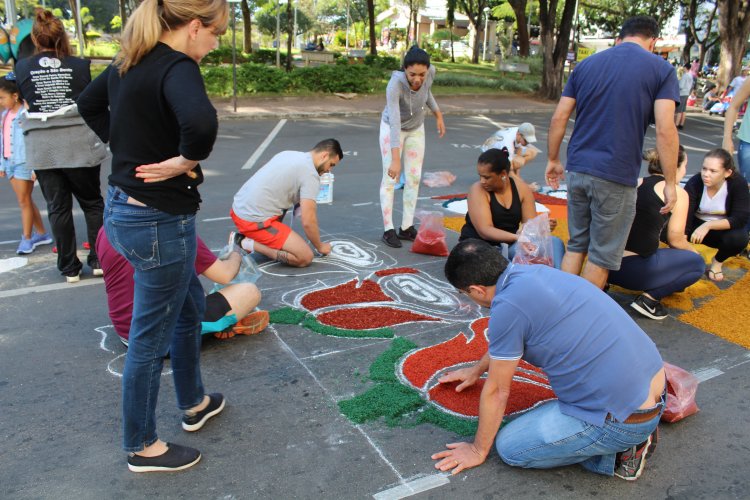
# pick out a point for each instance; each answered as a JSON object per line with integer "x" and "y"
{"x": 544, "y": 438}
{"x": 743, "y": 162}
{"x": 168, "y": 306}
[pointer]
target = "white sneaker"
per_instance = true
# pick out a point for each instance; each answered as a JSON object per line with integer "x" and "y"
{"x": 73, "y": 279}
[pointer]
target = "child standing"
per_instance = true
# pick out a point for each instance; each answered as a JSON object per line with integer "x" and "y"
{"x": 13, "y": 163}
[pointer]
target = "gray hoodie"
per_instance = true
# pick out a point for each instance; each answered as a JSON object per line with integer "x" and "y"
{"x": 404, "y": 108}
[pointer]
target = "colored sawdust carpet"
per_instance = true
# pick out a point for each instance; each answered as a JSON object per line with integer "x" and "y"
{"x": 292, "y": 316}
{"x": 407, "y": 391}
{"x": 727, "y": 315}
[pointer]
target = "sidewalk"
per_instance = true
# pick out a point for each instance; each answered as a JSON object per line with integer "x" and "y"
{"x": 262, "y": 108}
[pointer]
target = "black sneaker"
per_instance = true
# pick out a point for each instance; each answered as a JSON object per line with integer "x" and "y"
{"x": 193, "y": 422}
{"x": 407, "y": 234}
{"x": 630, "y": 463}
{"x": 175, "y": 458}
{"x": 390, "y": 239}
{"x": 96, "y": 268}
{"x": 651, "y": 308}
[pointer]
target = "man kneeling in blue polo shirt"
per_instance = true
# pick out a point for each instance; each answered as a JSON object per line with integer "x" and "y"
{"x": 606, "y": 372}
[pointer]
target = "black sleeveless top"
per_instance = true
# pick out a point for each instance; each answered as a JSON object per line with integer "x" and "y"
{"x": 507, "y": 219}
{"x": 648, "y": 222}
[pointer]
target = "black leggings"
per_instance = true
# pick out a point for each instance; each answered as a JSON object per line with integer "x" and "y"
{"x": 667, "y": 271}
{"x": 729, "y": 242}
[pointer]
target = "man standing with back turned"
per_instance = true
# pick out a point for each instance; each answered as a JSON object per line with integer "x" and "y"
{"x": 616, "y": 95}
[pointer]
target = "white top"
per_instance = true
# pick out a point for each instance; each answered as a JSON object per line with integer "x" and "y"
{"x": 713, "y": 208}
{"x": 287, "y": 178}
{"x": 504, "y": 138}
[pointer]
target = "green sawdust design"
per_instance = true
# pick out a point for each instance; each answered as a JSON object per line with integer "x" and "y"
{"x": 457, "y": 425}
{"x": 388, "y": 400}
{"x": 292, "y": 316}
{"x": 396, "y": 402}
{"x": 287, "y": 316}
{"x": 383, "y": 369}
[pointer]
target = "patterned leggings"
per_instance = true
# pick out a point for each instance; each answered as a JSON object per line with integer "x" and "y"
{"x": 412, "y": 154}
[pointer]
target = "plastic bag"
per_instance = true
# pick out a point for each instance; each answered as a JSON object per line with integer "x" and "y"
{"x": 681, "y": 388}
{"x": 438, "y": 179}
{"x": 534, "y": 245}
{"x": 248, "y": 272}
{"x": 431, "y": 235}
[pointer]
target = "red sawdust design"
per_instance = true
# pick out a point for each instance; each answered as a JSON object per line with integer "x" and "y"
{"x": 346, "y": 293}
{"x": 448, "y": 196}
{"x": 546, "y": 199}
{"x": 396, "y": 270}
{"x": 364, "y": 318}
{"x": 420, "y": 367}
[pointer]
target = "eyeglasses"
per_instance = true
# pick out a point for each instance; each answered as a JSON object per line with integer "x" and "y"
{"x": 10, "y": 76}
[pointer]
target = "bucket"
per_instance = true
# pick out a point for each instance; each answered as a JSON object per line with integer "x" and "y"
{"x": 325, "y": 195}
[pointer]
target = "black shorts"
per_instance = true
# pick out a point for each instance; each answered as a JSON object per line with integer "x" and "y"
{"x": 216, "y": 307}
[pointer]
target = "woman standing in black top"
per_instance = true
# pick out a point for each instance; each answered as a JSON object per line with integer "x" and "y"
{"x": 658, "y": 271}
{"x": 152, "y": 107}
{"x": 63, "y": 152}
{"x": 499, "y": 202}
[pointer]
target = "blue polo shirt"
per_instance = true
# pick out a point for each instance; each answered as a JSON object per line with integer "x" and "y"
{"x": 597, "y": 358}
{"x": 615, "y": 91}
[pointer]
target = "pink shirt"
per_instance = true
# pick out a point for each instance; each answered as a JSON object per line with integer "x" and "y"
{"x": 8, "y": 131}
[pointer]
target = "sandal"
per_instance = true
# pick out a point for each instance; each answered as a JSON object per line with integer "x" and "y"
{"x": 715, "y": 276}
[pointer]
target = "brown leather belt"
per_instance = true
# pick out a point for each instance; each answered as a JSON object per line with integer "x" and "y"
{"x": 638, "y": 418}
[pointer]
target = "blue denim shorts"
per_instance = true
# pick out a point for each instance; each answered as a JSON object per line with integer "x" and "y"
{"x": 18, "y": 172}
{"x": 600, "y": 213}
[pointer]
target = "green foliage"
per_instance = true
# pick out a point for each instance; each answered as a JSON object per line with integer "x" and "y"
{"x": 266, "y": 20}
{"x": 383, "y": 61}
{"x": 266, "y": 56}
{"x": 116, "y": 23}
{"x": 505, "y": 84}
{"x": 223, "y": 55}
{"x": 104, "y": 50}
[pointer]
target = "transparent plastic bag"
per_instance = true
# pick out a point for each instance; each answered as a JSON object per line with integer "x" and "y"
{"x": 248, "y": 272}
{"x": 431, "y": 235}
{"x": 681, "y": 388}
{"x": 534, "y": 245}
{"x": 438, "y": 179}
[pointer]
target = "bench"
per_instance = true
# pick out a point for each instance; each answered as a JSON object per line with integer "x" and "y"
{"x": 521, "y": 68}
{"x": 316, "y": 57}
{"x": 358, "y": 53}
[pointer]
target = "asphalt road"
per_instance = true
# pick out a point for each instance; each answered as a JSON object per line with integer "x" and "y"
{"x": 282, "y": 435}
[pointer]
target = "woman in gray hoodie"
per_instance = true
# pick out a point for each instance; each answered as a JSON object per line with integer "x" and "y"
{"x": 402, "y": 135}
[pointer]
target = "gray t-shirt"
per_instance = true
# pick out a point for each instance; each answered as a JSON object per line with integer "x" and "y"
{"x": 287, "y": 178}
{"x": 404, "y": 108}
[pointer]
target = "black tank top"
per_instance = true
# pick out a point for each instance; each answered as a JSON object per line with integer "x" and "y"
{"x": 648, "y": 222}
{"x": 507, "y": 219}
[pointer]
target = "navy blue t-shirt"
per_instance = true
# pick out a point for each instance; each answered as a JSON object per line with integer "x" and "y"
{"x": 615, "y": 91}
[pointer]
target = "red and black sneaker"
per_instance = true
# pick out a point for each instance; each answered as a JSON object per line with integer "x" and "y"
{"x": 631, "y": 462}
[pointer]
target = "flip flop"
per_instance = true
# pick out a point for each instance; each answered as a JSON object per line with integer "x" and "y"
{"x": 716, "y": 276}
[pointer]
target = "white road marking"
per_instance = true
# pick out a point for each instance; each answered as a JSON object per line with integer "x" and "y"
{"x": 362, "y": 204}
{"x": 48, "y": 288}
{"x": 261, "y": 149}
{"x": 216, "y": 218}
{"x": 413, "y": 487}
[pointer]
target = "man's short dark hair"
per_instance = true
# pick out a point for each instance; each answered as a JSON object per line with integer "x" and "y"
{"x": 330, "y": 146}
{"x": 474, "y": 262}
{"x": 642, "y": 26}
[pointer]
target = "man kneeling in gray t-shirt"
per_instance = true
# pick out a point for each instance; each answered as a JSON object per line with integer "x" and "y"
{"x": 289, "y": 178}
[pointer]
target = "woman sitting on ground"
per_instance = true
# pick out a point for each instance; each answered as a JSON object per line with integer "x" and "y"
{"x": 719, "y": 209}
{"x": 658, "y": 272}
{"x": 499, "y": 203}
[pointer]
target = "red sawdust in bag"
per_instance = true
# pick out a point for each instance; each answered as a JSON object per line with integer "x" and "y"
{"x": 431, "y": 235}
{"x": 681, "y": 388}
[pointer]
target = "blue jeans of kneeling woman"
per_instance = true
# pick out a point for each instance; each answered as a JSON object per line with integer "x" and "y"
{"x": 168, "y": 305}
{"x": 544, "y": 438}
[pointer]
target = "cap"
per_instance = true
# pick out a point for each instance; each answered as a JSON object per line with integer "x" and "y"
{"x": 528, "y": 132}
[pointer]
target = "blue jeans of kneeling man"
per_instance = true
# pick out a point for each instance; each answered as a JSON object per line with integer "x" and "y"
{"x": 544, "y": 438}
{"x": 168, "y": 305}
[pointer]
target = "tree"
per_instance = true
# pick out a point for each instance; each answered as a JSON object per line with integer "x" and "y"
{"x": 474, "y": 9}
{"x": 246, "y": 7}
{"x": 696, "y": 17}
{"x": 734, "y": 27}
{"x": 519, "y": 9}
{"x": 290, "y": 34}
{"x": 608, "y": 15}
{"x": 555, "y": 40}
{"x": 266, "y": 20}
{"x": 371, "y": 21}
{"x": 450, "y": 19}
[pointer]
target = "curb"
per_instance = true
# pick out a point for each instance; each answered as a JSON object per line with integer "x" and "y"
{"x": 302, "y": 115}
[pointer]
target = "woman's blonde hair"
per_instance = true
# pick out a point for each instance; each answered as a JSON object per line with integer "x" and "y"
{"x": 48, "y": 33}
{"x": 654, "y": 165}
{"x": 152, "y": 17}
